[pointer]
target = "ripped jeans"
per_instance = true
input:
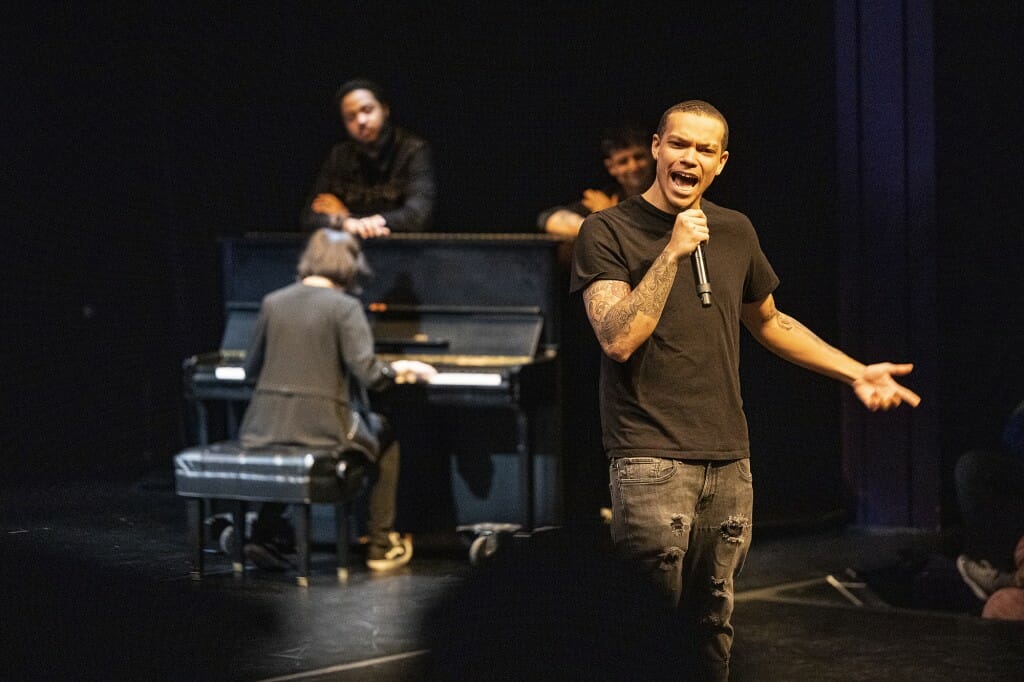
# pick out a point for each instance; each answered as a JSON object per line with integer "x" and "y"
{"x": 687, "y": 524}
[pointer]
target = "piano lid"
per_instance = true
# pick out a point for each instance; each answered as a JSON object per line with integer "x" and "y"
{"x": 478, "y": 338}
{"x": 469, "y": 336}
{"x": 495, "y": 270}
{"x": 240, "y": 319}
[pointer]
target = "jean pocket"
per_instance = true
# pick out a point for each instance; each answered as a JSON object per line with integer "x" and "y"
{"x": 643, "y": 470}
{"x": 743, "y": 467}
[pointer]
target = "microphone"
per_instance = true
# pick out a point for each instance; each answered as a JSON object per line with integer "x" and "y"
{"x": 700, "y": 275}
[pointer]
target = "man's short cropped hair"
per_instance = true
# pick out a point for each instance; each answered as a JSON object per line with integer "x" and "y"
{"x": 360, "y": 84}
{"x": 336, "y": 255}
{"x": 695, "y": 106}
{"x": 623, "y": 137}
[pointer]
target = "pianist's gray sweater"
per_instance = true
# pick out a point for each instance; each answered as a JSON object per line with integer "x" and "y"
{"x": 307, "y": 345}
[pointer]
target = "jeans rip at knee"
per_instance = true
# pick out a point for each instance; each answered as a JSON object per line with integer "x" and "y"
{"x": 734, "y": 529}
{"x": 671, "y": 559}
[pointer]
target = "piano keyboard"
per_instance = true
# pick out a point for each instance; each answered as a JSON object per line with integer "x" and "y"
{"x": 233, "y": 373}
{"x": 466, "y": 379}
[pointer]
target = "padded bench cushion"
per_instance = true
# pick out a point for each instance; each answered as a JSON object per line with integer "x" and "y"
{"x": 288, "y": 474}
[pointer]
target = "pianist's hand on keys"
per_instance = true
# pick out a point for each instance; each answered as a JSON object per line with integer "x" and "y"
{"x": 412, "y": 371}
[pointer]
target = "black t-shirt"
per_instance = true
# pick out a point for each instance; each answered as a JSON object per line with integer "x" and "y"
{"x": 678, "y": 395}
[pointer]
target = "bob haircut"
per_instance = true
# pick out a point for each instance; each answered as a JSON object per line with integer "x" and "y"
{"x": 336, "y": 255}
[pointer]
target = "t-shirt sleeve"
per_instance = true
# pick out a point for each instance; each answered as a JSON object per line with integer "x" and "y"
{"x": 761, "y": 278}
{"x": 596, "y": 255}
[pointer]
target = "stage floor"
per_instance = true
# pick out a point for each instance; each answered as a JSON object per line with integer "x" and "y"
{"x": 95, "y": 585}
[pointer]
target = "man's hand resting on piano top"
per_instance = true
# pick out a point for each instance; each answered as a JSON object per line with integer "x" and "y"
{"x": 412, "y": 371}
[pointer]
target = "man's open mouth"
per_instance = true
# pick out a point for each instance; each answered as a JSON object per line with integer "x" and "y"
{"x": 683, "y": 180}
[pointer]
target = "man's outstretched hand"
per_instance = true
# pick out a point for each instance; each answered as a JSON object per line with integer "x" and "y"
{"x": 877, "y": 389}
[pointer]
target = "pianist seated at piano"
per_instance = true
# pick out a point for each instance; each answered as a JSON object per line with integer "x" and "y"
{"x": 378, "y": 181}
{"x": 311, "y": 344}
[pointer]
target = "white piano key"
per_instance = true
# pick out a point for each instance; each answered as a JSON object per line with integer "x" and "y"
{"x": 230, "y": 373}
{"x": 466, "y": 379}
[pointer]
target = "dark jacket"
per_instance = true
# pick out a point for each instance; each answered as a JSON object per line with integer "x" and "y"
{"x": 397, "y": 182}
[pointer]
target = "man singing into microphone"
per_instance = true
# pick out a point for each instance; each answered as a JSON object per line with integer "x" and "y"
{"x": 672, "y": 420}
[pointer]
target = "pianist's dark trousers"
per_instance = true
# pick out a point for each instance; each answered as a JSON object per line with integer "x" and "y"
{"x": 271, "y": 526}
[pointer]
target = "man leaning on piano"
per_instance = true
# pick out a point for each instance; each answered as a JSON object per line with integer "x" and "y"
{"x": 378, "y": 181}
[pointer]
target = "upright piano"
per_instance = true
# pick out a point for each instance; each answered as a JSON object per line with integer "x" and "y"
{"x": 484, "y": 309}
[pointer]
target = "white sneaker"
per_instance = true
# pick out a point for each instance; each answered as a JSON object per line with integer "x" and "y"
{"x": 981, "y": 576}
{"x": 398, "y": 552}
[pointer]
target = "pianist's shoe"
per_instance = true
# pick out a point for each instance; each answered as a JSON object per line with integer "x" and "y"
{"x": 387, "y": 557}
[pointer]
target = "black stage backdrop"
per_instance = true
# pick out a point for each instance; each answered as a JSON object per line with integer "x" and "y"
{"x": 137, "y": 136}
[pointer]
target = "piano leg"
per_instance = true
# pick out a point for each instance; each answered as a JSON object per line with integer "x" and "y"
{"x": 525, "y": 450}
{"x": 303, "y": 517}
{"x": 202, "y": 422}
{"x": 238, "y": 512}
{"x": 341, "y": 530}
{"x": 194, "y": 508}
{"x": 233, "y": 418}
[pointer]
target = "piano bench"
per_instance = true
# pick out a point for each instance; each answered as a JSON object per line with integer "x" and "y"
{"x": 292, "y": 475}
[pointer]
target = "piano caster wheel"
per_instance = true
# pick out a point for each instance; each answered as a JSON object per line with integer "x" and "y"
{"x": 226, "y": 541}
{"x": 219, "y": 531}
{"x": 483, "y": 548}
{"x": 487, "y": 539}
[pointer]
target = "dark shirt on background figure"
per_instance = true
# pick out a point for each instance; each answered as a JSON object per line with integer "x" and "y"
{"x": 627, "y": 158}
{"x": 380, "y": 180}
{"x": 628, "y": 161}
{"x": 611, "y": 194}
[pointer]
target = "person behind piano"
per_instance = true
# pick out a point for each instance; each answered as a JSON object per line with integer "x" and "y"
{"x": 311, "y": 342}
{"x": 379, "y": 180}
{"x": 627, "y": 158}
{"x": 672, "y": 414}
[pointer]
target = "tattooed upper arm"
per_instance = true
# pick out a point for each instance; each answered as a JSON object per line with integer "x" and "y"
{"x": 601, "y": 295}
{"x": 764, "y": 320}
{"x": 759, "y": 315}
{"x": 608, "y": 318}
{"x": 772, "y": 315}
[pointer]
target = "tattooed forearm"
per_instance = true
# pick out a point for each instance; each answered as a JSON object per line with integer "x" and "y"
{"x": 613, "y": 308}
{"x": 792, "y": 341}
{"x": 653, "y": 289}
{"x": 618, "y": 320}
{"x": 789, "y": 324}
